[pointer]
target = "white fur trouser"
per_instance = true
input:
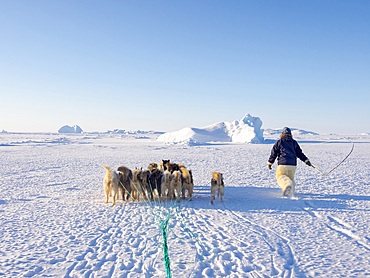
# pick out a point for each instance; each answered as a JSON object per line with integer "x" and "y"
{"x": 285, "y": 177}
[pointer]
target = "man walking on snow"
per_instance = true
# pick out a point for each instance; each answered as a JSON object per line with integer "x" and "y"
{"x": 286, "y": 150}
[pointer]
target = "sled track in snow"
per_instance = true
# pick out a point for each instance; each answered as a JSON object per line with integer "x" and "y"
{"x": 276, "y": 245}
{"x": 337, "y": 225}
{"x": 234, "y": 258}
{"x": 278, "y": 254}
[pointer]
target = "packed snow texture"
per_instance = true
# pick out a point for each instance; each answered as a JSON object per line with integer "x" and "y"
{"x": 70, "y": 129}
{"x": 247, "y": 130}
{"x": 54, "y": 221}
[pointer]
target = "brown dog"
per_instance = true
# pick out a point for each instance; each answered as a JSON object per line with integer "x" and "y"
{"x": 125, "y": 178}
{"x": 136, "y": 185}
{"x": 187, "y": 178}
{"x": 217, "y": 185}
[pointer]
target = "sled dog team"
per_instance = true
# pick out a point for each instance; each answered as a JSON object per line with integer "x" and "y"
{"x": 167, "y": 180}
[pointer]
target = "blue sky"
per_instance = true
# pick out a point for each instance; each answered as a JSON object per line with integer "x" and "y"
{"x": 165, "y": 65}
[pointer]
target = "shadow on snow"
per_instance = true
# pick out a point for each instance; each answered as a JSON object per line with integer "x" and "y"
{"x": 247, "y": 199}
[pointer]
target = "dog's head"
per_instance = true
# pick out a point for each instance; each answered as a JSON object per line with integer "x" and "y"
{"x": 165, "y": 163}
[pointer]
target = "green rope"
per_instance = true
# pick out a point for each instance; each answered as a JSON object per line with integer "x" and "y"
{"x": 163, "y": 224}
{"x": 166, "y": 257}
{"x": 161, "y": 218}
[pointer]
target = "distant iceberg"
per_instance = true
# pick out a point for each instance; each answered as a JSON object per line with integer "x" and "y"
{"x": 295, "y": 132}
{"x": 247, "y": 130}
{"x": 70, "y": 129}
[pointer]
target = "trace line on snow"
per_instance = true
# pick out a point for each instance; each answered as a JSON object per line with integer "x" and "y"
{"x": 216, "y": 228}
{"x": 337, "y": 225}
{"x": 264, "y": 233}
{"x": 290, "y": 259}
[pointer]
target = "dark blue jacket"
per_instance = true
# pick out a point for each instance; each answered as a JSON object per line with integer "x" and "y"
{"x": 286, "y": 149}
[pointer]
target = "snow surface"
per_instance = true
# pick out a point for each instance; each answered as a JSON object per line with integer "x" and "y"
{"x": 70, "y": 129}
{"x": 247, "y": 130}
{"x": 54, "y": 221}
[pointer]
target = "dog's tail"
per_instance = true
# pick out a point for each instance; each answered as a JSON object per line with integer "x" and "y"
{"x": 109, "y": 170}
{"x": 111, "y": 173}
{"x": 185, "y": 174}
{"x": 160, "y": 166}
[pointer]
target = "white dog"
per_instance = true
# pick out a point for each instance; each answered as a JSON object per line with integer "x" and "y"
{"x": 110, "y": 183}
{"x": 166, "y": 185}
{"x": 176, "y": 182}
{"x": 217, "y": 185}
